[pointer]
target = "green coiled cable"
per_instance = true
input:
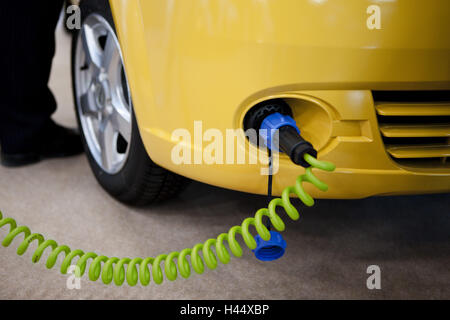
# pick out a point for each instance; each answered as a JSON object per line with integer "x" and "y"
{"x": 114, "y": 268}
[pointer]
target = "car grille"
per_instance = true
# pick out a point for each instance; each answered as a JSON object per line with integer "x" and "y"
{"x": 415, "y": 126}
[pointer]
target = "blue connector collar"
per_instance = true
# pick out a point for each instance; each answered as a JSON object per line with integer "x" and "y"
{"x": 270, "y": 250}
{"x": 271, "y": 124}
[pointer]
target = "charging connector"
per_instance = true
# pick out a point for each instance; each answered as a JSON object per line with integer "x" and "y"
{"x": 289, "y": 138}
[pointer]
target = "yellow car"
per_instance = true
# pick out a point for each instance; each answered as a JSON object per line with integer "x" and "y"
{"x": 367, "y": 82}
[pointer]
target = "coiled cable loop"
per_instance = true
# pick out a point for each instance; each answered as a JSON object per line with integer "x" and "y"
{"x": 137, "y": 269}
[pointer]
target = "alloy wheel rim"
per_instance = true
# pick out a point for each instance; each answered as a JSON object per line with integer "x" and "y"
{"x": 102, "y": 94}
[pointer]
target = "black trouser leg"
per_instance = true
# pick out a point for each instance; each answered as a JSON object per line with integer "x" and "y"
{"x": 28, "y": 45}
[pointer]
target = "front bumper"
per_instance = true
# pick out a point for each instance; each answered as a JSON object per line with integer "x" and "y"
{"x": 346, "y": 132}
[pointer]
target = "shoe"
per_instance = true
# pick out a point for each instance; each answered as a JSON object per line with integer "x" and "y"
{"x": 55, "y": 142}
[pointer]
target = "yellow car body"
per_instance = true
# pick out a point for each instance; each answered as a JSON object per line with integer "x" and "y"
{"x": 213, "y": 60}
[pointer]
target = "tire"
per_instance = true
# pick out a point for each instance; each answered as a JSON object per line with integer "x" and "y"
{"x": 135, "y": 179}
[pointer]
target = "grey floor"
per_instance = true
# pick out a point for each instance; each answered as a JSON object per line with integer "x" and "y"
{"x": 327, "y": 256}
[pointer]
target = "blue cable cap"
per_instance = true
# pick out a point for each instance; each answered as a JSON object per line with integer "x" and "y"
{"x": 272, "y": 123}
{"x": 270, "y": 250}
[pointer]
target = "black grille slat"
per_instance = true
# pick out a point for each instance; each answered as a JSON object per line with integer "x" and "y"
{"x": 412, "y": 96}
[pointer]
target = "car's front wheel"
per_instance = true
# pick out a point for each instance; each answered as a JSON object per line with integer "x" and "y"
{"x": 105, "y": 114}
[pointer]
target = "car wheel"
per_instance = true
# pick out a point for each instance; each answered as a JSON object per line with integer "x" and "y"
{"x": 105, "y": 114}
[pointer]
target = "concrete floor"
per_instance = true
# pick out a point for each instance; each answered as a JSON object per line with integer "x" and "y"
{"x": 327, "y": 256}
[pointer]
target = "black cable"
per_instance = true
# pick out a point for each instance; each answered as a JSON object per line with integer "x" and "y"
{"x": 269, "y": 185}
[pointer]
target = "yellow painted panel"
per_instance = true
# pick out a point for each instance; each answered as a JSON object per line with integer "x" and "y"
{"x": 419, "y": 151}
{"x": 192, "y": 60}
{"x": 415, "y": 131}
{"x": 413, "y": 109}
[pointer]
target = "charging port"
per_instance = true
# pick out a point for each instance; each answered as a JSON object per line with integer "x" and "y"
{"x": 273, "y": 120}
